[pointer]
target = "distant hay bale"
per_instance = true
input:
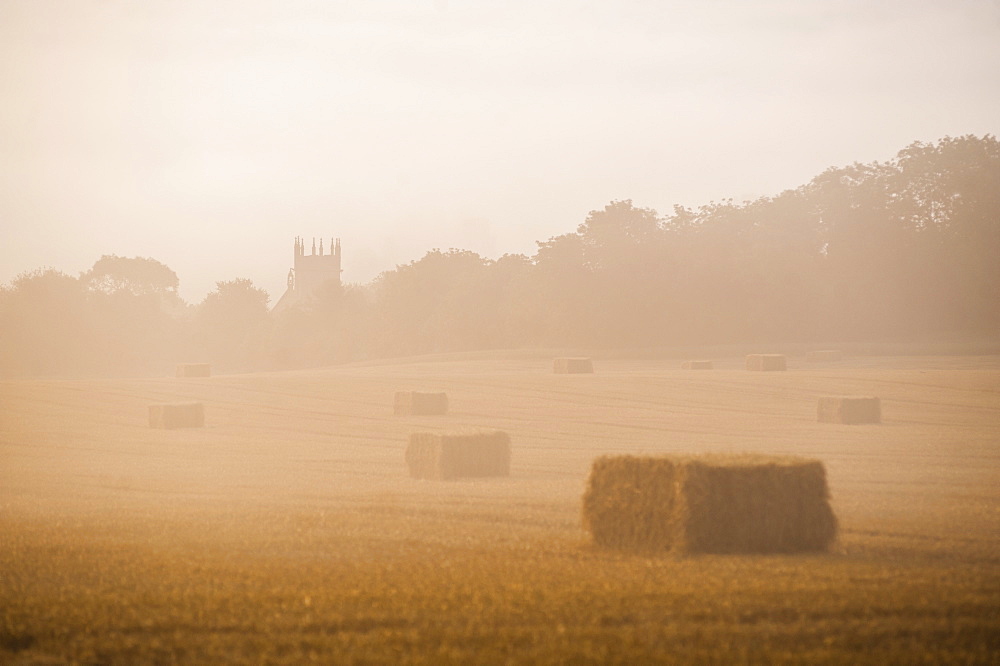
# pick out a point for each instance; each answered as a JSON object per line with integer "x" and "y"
{"x": 420, "y": 403}
{"x": 696, "y": 365}
{"x": 177, "y": 415}
{"x": 459, "y": 454}
{"x": 822, "y": 355}
{"x": 572, "y": 365}
{"x": 851, "y": 410}
{"x": 765, "y": 361}
{"x": 709, "y": 504}
{"x": 194, "y": 370}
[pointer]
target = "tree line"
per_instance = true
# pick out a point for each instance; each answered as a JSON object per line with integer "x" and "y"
{"x": 902, "y": 249}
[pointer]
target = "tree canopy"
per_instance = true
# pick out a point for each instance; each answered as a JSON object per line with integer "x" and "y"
{"x": 136, "y": 275}
{"x": 902, "y": 249}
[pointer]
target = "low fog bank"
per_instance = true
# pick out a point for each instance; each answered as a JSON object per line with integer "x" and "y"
{"x": 901, "y": 251}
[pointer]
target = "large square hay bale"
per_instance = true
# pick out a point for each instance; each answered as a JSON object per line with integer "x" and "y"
{"x": 696, "y": 365}
{"x": 765, "y": 361}
{"x": 572, "y": 365}
{"x": 460, "y": 454}
{"x": 177, "y": 415}
{"x": 420, "y": 403}
{"x": 194, "y": 370}
{"x": 822, "y": 355}
{"x": 849, "y": 409}
{"x": 709, "y": 504}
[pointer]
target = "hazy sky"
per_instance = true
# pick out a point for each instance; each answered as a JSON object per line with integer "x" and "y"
{"x": 208, "y": 134}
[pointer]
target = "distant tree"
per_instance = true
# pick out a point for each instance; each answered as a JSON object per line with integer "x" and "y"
{"x": 508, "y": 287}
{"x": 614, "y": 236}
{"x": 336, "y": 327}
{"x": 136, "y": 275}
{"x": 745, "y": 271}
{"x": 443, "y": 301}
{"x": 45, "y": 325}
{"x": 910, "y": 245}
{"x": 707, "y": 287}
{"x": 232, "y": 321}
{"x": 560, "y": 306}
{"x": 610, "y": 279}
{"x": 139, "y": 317}
{"x": 947, "y": 196}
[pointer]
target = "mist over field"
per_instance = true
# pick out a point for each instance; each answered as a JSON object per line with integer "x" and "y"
{"x": 451, "y": 333}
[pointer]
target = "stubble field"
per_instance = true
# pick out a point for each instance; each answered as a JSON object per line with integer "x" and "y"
{"x": 287, "y": 529}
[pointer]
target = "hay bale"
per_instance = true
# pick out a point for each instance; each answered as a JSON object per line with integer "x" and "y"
{"x": 177, "y": 415}
{"x": 709, "y": 504}
{"x": 458, "y": 454}
{"x": 572, "y": 365}
{"x": 823, "y": 355}
{"x": 194, "y": 370}
{"x": 849, "y": 409}
{"x": 696, "y": 365}
{"x": 765, "y": 361}
{"x": 420, "y": 403}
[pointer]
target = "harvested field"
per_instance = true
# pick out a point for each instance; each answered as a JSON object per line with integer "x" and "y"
{"x": 286, "y": 530}
{"x": 696, "y": 365}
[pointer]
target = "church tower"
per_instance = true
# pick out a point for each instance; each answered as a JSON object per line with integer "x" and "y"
{"x": 309, "y": 272}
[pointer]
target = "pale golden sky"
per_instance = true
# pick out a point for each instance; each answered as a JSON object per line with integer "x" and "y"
{"x": 209, "y": 134}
